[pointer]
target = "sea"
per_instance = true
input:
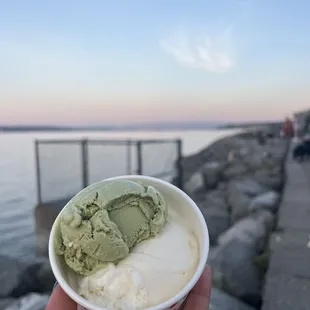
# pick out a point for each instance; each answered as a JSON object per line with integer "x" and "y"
{"x": 18, "y": 187}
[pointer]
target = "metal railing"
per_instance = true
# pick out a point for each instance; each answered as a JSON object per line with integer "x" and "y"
{"x": 64, "y": 167}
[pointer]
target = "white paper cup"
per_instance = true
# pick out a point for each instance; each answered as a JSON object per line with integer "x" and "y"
{"x": 173, "y": 196}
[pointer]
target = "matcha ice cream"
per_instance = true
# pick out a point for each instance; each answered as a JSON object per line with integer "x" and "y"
{"x": 101, "y": 224}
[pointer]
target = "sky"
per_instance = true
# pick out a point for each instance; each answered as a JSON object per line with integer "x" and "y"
{"x": 122, "y": 61}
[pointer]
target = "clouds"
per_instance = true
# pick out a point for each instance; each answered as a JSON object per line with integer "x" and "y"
{"x": 210, "y": 53}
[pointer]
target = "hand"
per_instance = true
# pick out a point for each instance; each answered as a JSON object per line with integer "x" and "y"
{"x": 60, "y": 301}
{"x": 198, "y": 298}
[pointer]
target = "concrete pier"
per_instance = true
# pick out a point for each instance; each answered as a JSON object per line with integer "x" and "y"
{"x": 287, "y": 283}
{"x": 45, "y": 215}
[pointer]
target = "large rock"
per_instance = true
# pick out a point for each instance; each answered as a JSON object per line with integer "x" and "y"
{"x": 254, "y": 161}
{"x": 243, "y": 152}
{"x": 267, "y": 200}
{"x": 240, "y": 195}
{"x": 273, "y": 180}
{"x": 250, "y": 187}
{"x": 253, "y": 229}
{"x": 216, "y": 198}
{"x": 194, "y": 184}
{"x": 238, "y": 202}
{"x": 215, "y": 210}
{"x": 235, "y": 170}
{"x": 212, "y": 172}
{"x": 218, "y": 221}
{"x": 232, "y": 262}
{"x": 5, "y": 302}
{"x": 31, "y": 301}
{"x": 222, "y": 301}
{"x": 11, "y": 271}
{"x": 18, "y": 278}
{"x": 234, "y": 272}
{"x": 36, "y": 277}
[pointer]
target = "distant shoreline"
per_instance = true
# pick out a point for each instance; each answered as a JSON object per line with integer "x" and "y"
{"x": 149, "y": 127}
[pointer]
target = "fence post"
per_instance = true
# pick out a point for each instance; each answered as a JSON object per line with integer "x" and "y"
{"x": 38, "y": 173}
{"x": 84, "y": 147}
{"x": 180, "y": 164}
{"x": 129, "y": 157}
{"x": 139, "y": 157}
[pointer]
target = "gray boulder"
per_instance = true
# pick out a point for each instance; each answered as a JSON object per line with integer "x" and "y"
{"x": 216, "y": 198}
{"x": 214, "y": 207}
{"x": 36, "y": 277}
{"x": 31, "y": 301}
{"x": 271, "y": 179}
{"x": 218, "y": 221}
{"x": 234, "y": 272}
{"x": 250, "y": 187}
{"x": 222, "y": 186}
{"x": 243, "y": 152}
{"x": 194, "y": 184}
{"x": 11, "y": 271}
{"x": 235, "y": 170}
{"x": 6, "y": 302}
{"x": 240, "y": 195}
{"x": 20, "y": 278}
{"x": 254, "y": 161}
{"x": 267, "y": 200}
{"x": 212, "y": 172}
{"x": 253, "y": 229}
{"x": 222, "y": 301}
{"x": 238, "y": 202}
{"x": 232, "y": 262}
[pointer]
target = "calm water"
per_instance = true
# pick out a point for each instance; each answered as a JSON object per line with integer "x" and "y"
{"x": 18, "y": 183}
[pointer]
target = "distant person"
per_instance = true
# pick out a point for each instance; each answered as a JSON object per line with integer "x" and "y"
{"x": 301, "y": 150}
{"x": 198, "y": 298}
{"x": 288, "y": 128}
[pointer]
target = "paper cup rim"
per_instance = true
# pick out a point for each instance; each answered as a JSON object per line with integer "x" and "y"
{"x": 168, "y": 303}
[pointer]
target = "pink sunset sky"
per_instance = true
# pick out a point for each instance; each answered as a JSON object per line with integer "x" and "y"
{"x": 110, "y": 62}
{"x": 83, "y": 109}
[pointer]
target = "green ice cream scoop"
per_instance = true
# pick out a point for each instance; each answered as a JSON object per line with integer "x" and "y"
{"x": 103, "y": 222}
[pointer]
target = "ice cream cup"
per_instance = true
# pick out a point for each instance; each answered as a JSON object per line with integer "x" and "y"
{"x": 173, "y": 195}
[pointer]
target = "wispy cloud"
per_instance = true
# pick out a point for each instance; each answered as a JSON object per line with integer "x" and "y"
{"x": 213, "y": 54}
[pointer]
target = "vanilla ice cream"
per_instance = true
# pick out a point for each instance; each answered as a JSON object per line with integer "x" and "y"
{"x": 115, "y": 288}
{"x": 153, "y": 272}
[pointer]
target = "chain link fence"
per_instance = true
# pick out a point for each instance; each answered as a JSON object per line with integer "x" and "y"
{"x": 64, "y": 167}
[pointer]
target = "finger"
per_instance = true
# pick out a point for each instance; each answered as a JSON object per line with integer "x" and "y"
{"x": 203, "y": 286}
{"x": 196, "y": 302}
{"x": 199, "y": 297}
{"x": 59, "y": 300}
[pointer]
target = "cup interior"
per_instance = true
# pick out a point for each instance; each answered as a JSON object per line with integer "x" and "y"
{"x": 175, "y": 199}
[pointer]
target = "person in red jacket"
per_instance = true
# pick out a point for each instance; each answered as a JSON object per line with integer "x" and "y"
{"x": 287, "y": 128}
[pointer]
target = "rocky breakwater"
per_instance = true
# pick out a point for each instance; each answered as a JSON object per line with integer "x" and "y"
{"x": 237, "y": 184}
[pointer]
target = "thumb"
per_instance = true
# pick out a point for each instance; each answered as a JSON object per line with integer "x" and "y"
{"x": 199, "y": 297}
{"x": 59, "y": 300}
